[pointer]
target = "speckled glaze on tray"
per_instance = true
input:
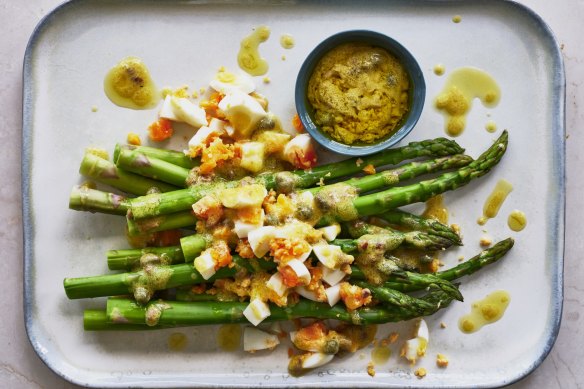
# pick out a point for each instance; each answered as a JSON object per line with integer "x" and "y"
{"x": 185, "y": 42}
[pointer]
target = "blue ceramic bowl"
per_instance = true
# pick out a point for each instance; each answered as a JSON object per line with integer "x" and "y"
{"x": 417, "y": 92}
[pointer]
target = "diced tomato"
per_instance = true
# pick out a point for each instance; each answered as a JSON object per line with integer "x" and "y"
{"x": 160, "y": 130}
{"x": 168, "y": 238}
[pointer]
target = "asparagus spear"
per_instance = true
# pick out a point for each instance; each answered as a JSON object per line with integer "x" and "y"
{"x": 105, "y": 172}
{"x": 396, "y": 197}
{"x": 144, "y": 282}
{"x": 177, "y": 158}
{"x": 418, "y": 223}
{"x": 362, "y": 184}
{"x": 185, "y": 274}
{"x": 402, "y": 173}
{"x": 177, "y": 313}
{"x": 136, "y": 162}
{"x": 179, "y": 200}
{"x": 83, "y": 198}
{"x": 409, "y": 281}
{"x": 129, "y": 259}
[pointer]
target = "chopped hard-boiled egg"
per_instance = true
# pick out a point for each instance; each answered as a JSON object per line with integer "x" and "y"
{"x": 242, "y": 229}
{"x": 256, "y": 311}
{"x": 255, "y": 339}
{"x": 252, "y": 156}
{"x": 243, "y": 112}
{"x": 416, "y": 347}
{"x": 227, "y": 82}
{"x": 276, "y": 283}
{"x": 243, "y": 196}
{"x": 186, "y": 111}
{"x": 300, "y": 269}
{"x": 300, "y": 152}
{"x": 166, "y": 110}
{"x": 275, "y": 141}
{"x": 202, "y": 135}
{"x": 205, "y": 264}
{"x": 306, "y": 293}
{"x": 328, "y": 254}
{"x": 333, "y": 294}
{"x": 332, "y": 276}
{"x": 259, "y": 240}
{"x": 331, "y": 232}
{"x": 314, "y": 360}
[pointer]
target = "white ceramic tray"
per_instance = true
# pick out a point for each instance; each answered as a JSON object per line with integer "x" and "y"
{"x": 186, "y": 42}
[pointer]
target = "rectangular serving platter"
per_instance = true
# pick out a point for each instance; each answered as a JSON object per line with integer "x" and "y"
{"x": 185, "y": 42}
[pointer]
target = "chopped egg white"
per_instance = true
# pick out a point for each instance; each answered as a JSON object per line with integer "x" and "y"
{"x": 205, "y": 264}
{"x": 255, "y": 339}
{"x": 187, "y": 112}
{"x": 332, "y": 276}
{"x": 203, "y": 133}
{"x": 252, "y": 156}
{"x": 333, "y": 294}
{"x": 299, "y": 145}
{"x": 300, "y": 269}
{"x": 256, "y": 311}
{"x": 327, "y": 254}
{"x": 416, "y": 347}
{"x": 243, "y": 196}
{"x": 243, "y": 112}
{"x": 227, "y": 82}
{"x": 331, "y": 232}
{"x": 306, "y": 293}
{"x": 259, "y": 240}
{"x": 242, "y": 229}
{"x": 166, "y": 110}
{"x": 276, "y": 283}
{"x": 315, "y": 360}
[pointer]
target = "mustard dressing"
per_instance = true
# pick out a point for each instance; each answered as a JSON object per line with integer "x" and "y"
{"x": 249, "y": 58}
{"x": 486, "y": 311}
{"x": 380, "y": 355}
{"x": 177, "y": 341}
{"x": 516, "y": 220}
{"x": 287, "y": 41}
{"x": 129, "y": 85}
{"x": 229, "y": 337}
{"x": 455, "y": 100}
{"x": 495, "y": 200}
{"x": 435, "y": 209}
{"x": 439, "y": 69}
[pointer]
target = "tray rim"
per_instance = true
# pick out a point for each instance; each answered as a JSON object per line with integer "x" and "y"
{"x": 558, "y": 151}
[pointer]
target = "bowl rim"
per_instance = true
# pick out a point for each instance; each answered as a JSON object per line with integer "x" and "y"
{"x": 377, "y": 39}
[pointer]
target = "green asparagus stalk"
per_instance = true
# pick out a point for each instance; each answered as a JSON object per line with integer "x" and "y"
{"x": 381, "y": 202}
{"x": 362, "y": 184}
{"x": 139, "y": 163}
{"x": 180, "y": 200}
{"x": 128, "y": 259}
{"x": 83, "y": 198}
{"x": 105, "y": 172}
{"x": 177, "y": 313}
{"x": 144, "y": 282}
{"x": 413, "y": 239}
{"x": 417, "y": 223}
{"x": 410, "y": 282}
{"x": 402, "y": 173}
{"x": 96, "y": 320}
{"x": 174, "y": 157}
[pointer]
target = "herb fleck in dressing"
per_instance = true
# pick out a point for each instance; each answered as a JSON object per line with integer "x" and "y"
{"x": 455, "y": 100}
{"x": 129, "y": 85}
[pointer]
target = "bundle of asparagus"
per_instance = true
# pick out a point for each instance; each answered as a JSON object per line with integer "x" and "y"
{"x": 150, "y": 273}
